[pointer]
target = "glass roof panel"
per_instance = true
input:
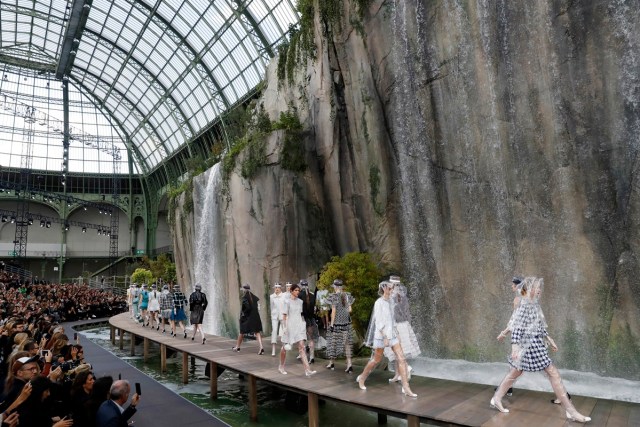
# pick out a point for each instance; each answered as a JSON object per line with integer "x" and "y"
{"x": 134, "y": 54}
{"x": 31, "y": 119}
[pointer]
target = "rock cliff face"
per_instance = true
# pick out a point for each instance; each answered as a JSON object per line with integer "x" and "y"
{"x": 464, "y": 142}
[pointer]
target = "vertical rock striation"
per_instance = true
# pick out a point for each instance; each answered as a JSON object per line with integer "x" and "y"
{"x": 464, "y": 142}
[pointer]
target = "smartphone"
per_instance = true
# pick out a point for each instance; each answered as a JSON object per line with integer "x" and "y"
{"x": 75, "y": 336}
{"x": 119, "y": 376}
{"x": 138, "y": 389}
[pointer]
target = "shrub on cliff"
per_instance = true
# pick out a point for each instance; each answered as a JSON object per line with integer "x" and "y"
{"x": 361, "y": 274}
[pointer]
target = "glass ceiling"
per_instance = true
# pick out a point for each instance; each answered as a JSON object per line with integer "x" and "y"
{"x": 150, "y": 75}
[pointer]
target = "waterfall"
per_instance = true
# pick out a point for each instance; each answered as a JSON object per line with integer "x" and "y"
{"x": 209, "y": 246}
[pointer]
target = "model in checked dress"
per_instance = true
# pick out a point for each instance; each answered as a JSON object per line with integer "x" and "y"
{"x": 528, "y": 351}
{"x": 295, "y": 331}
{"x": 339, "y": 339}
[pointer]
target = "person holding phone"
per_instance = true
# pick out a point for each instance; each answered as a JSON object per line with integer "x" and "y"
{"x": 38, "y": 408}
{"x": 111, "y": 412}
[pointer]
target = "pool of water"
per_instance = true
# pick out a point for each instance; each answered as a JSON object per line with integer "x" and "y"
{"x": 274, "y": 409}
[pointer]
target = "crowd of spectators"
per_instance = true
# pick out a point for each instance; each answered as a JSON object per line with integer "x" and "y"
{"x": 44, "y": 378}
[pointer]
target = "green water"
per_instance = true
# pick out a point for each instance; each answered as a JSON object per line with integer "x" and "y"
{"x": 231, "y": 405}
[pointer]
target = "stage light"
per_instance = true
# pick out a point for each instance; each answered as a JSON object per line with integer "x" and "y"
{"x": 30, "y": 221}
{"x": 84, "y": 229}
{"x": 42, "y": 223}
{"x": 66, "y": 226}
{"x": 84, "y": 207}
{"x": 4, "y": 218}
{"x": 33, "y": 195}
{"x": 99, "y": 231}
{"x": 13, "y": 219}
{"x": 48, "y": 225}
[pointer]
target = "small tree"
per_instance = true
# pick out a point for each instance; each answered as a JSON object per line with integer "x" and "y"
{"x": 142, "y": 275}
{"x": 360, "y": 275}
{"x": 161, "y": 267}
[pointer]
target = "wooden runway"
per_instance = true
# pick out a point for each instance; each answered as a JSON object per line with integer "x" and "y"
{"x": 439, "y": 402}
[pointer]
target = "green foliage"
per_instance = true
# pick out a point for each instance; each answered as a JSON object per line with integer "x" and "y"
{"x": 142, "y": 275}
{"x": 247, "y": 130}
{"x": 289, "y": 120}
{"x": 160, "y": 268}
{"x": 173, "y": 193}
{"x": 361, "y": 275}
{"x": 292, "y": 152}
{"x": 255, "y": 157}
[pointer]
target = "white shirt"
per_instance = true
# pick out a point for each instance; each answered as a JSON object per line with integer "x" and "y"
{"x": 276, "y": 305}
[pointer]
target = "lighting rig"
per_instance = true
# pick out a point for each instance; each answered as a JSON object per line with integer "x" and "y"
{"x": 7, "y": 216}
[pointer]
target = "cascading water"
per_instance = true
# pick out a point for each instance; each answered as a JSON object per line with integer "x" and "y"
{"x": 467, "y": 150}
{"x": 209, "y": 259}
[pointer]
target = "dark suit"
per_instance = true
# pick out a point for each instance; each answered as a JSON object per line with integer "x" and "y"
{"x": 109, "y": 415}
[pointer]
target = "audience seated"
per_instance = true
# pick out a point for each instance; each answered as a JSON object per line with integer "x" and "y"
{"x": 44, "y": 378}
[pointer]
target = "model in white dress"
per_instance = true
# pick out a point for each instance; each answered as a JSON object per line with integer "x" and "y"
{"x": 276, "y": 305}
{"x": 295, "y": 330}
{"x": 154, "y": 306}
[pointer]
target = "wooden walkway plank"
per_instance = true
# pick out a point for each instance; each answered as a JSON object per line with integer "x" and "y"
{"x": 619, "y": 416}
{"x": 439, "y": 402}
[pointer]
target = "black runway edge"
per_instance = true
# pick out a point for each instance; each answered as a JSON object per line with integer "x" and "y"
{"x": 159, "y": 406}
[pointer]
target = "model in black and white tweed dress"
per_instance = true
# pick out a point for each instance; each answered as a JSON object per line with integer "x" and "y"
{"x": 528, "y": 351}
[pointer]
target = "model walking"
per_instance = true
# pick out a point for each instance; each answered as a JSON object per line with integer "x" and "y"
{"x": 339, "y": 339}
{"x": 404, "y": 331}
{"x": 295, "y": 331}
{"x": 197, "y": 305}
{"x": 528, "y": 329}
{"x": 382, "y": 334}
{"x": 309, "y": 313}
{"x": 276, "y": 306}
{"x": 144, "y": 304}
{"x": 178, "y": 315}
{"x": 166, "y": 307}
{"x": 250, "y": 322}
{"x": 154, "y": 306}
{"x": 135, "y": 300}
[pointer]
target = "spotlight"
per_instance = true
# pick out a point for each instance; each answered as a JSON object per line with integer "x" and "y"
{"x": 42, "y": 223}
{"x": 66, "y": 226}
{"x": 84, "y": 207}
{"x": 30, "y": 221}
{"x": 84, "y": 229}
{"x": 4, "y": 218}
{"x": 100, "y": 210}
{"x": 99, "y": 231}
{"x": 13, "y": 219}
{"x": 33, "y": 195}
{"x": 48, "y": 225}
